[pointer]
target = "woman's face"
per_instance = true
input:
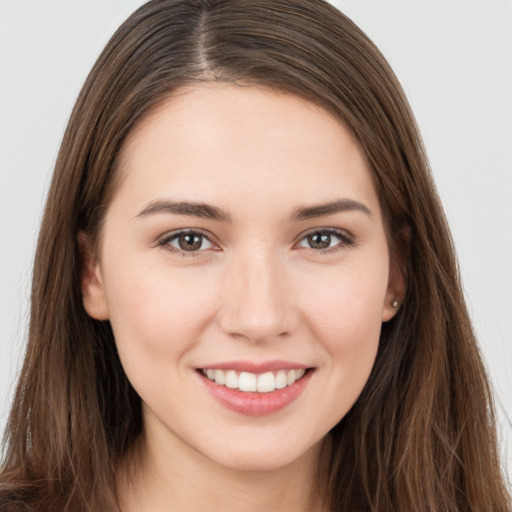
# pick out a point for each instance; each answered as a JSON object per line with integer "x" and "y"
{"x": 245, "y": 271}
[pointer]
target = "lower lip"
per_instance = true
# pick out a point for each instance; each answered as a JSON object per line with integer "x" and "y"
{"x": 256, "y": 404}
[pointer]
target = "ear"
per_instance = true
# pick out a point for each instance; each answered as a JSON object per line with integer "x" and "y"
{"x": 91, "y": 281}
{"x": 397, "y": 281}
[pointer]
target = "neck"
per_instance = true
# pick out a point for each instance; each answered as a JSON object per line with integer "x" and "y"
{"x": 183, "y": 480}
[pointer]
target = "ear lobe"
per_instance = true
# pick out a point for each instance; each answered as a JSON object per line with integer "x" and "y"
{"x": 395, "y": 293}
{"x": 397, "y": 281}
{"x": 91, "y": 282}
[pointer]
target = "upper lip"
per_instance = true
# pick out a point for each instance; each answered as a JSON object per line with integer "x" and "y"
{"x": 256, "y": 367}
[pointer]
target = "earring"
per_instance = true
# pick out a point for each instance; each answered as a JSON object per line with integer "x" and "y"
{"x": 394, "y": 304}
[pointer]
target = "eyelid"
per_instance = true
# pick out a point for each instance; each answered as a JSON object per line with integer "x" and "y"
{"x": 347, "y": 239}
{"x": 163, "y": 241}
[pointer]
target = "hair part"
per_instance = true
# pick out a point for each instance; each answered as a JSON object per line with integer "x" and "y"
{"x": 422, "y": 434}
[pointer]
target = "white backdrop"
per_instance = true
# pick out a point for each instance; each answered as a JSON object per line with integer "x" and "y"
{"x": 453, "y": 57}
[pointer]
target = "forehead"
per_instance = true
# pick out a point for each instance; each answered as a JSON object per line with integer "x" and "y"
{"x": 222, "y": 141}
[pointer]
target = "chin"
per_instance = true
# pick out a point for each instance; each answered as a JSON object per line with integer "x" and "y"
{"x": 261, "y": 456}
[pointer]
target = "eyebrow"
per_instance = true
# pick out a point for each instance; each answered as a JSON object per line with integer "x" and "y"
{"x": 330, "y": 208}
{"x": 201, "y": 210}
{"x": 206, "y": 211}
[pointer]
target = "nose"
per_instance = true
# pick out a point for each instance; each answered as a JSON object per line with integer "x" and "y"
{"x": 257, "y": 302}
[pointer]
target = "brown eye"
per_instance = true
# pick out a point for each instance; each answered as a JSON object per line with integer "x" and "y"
{"x": 326, "y": 240}
{"x": 319, "y": 240}
{"x": 187, "y": 242}
{"x": 190, "y": 242}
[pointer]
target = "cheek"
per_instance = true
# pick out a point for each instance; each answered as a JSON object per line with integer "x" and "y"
{"x": 346, "y": 319}
{"x": 156, "y": 315}
{"x": 348, "y": 308}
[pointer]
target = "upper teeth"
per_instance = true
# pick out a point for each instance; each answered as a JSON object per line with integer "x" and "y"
{"x": 246, "y": 381}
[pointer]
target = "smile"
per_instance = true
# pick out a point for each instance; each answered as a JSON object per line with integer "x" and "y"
{"x": 252, "y": 382}
{"x": 262, "y": 391}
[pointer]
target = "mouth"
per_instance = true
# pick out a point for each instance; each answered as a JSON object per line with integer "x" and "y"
{"x": 252, "y": 382}
{"x": 257, "y": 393}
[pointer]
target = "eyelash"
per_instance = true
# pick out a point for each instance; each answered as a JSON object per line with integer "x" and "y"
{"x": 165, "y": 242}
{"x": 346, "y": 241}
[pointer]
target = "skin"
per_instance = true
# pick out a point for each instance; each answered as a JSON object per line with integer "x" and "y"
{"x": 255, "y": 291}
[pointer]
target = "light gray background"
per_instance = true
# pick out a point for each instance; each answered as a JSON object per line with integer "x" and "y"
{"x": 453, "y": 57}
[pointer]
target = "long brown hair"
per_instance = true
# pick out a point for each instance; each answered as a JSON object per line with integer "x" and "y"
{"x": 421, "y": 436}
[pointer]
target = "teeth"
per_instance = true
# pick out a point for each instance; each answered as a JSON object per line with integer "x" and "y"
{"x": 231, "y": 379}
{"x": 220, "y": 377}
{"x": 281, "y": 379}
{"x": 266, "y": 383}
{"x": 246, "y": 381}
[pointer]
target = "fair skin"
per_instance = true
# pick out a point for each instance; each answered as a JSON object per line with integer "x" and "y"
{"x": 216, "y": 255}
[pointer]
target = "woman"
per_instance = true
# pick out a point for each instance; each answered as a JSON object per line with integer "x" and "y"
{"x": 245, "y": 295}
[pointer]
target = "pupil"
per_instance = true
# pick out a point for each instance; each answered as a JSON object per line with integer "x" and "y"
{"x": 319, "y": 240}
{"x": 190, "y": 242}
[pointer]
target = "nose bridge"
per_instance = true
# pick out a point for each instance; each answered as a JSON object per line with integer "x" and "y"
{"x": 257, "y": 302}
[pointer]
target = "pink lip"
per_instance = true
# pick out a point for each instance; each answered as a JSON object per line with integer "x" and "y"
{"x": 256, "y": 404}
{"x": 252, "y": 367}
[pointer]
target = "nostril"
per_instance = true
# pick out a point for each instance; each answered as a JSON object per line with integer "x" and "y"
{"x": 256, "y": 326}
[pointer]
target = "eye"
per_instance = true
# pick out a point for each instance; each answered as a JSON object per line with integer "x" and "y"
{"x": 325, "y": 240}
{"x": 188, "y": 241}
